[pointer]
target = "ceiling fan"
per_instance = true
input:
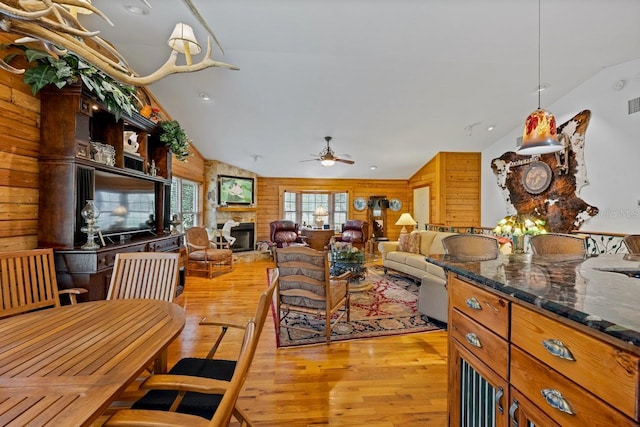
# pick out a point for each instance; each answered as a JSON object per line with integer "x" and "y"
{"x": 327, "y": 157}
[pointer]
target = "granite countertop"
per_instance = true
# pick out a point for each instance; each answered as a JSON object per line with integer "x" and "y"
{"x": 583, "y": 289}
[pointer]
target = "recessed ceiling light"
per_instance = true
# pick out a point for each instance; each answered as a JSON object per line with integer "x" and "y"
{"x": 136, "y": 10}
{"x": 205, "y": 96}
{"x": 542, "y": 88}
{"x": 373, "y": 167}
{"x": 490, "y": 128}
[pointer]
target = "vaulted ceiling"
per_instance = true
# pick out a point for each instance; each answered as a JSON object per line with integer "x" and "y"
{"x": 392, "y": 81}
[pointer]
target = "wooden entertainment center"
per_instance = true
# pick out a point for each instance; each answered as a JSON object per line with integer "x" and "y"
{"x": 74, "y": 128}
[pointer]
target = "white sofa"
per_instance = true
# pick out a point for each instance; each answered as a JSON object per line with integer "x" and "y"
{"x": 432, "y": 298}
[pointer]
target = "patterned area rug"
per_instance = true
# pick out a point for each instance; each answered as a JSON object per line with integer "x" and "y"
{"x": 390, "y": 307}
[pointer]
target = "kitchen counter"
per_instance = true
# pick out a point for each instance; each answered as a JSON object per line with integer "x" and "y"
{"x": 583, "y": 289}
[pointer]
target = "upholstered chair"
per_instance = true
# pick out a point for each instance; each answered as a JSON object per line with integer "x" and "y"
{"x": 476, "y": 246}
{"x": 632, "y": 242}
{"x": 354, "y": 231}
{"x": 285, "y": 233}
{"x": 558, "y": 243}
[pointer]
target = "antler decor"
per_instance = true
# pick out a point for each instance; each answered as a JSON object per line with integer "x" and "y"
{"x": 50, "y": 23}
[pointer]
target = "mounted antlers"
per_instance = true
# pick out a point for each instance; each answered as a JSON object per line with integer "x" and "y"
{"x": 50, "y": 23}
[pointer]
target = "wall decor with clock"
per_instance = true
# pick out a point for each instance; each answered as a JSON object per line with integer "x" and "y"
{"x": 548, "y": 185}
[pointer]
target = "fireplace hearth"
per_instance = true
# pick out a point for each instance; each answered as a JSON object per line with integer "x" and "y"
{"x": 244, "y": 234}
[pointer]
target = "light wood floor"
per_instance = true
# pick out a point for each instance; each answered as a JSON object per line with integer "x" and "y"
{"x": 379, "y": 382}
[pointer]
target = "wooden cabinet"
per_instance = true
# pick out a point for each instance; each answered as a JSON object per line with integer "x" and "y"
{"x": 92, "y": 269}
{"x": 550, "y": 372}
{"x": 83, "y": 147}
{"x": 478, "y": 356}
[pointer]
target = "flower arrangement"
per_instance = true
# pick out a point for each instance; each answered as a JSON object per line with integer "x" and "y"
{"x": 345, "y": 251}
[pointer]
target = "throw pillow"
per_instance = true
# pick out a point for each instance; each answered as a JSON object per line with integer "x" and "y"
{"x": 409, "y": 242}
{"x": 403, "y": 242}
{"x": 414, "y": 242}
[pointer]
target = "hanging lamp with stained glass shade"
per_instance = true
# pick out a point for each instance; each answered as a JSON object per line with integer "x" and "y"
{"x": 540, "y": 135}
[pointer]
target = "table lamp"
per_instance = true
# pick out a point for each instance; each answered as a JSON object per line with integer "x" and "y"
{"x": 319, "y": 212}
{"x": 405, "y": 219}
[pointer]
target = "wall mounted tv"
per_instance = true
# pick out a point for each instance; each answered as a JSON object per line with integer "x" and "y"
{"x": 235, "y": 190}
{"x": 127, "y": 204}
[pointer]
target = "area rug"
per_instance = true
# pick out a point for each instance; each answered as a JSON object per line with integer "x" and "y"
{"x": 390, "y": 307}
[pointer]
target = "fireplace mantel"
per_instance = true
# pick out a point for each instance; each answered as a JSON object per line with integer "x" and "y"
{"x": 237, "y": 208}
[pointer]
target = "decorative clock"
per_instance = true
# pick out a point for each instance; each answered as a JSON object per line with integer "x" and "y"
{"x": 360, "y": 203}
{"x": 536, "y": 177}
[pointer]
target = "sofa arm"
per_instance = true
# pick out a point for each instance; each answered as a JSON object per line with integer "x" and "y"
{"x": 385, "y": 247}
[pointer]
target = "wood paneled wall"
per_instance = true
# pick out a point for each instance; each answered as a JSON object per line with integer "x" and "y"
{"x": 271, "y": 190}
{"x": 19, "y": 151}
{"x": 454, "y": 181}
{"x": 454, "y": 178}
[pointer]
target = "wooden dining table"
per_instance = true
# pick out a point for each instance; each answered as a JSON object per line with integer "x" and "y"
{"x": 64, "y": 366}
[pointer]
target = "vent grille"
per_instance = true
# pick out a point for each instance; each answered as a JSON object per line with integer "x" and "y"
{"x": 478, "y": 399}
{"x": 634, "y": 105}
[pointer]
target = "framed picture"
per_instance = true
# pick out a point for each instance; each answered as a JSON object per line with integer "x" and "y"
{"x": 235, "y": 190}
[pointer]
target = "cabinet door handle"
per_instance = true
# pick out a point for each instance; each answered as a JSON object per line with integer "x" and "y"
{"x": 473, "y": 303}
{"x": 498, "y": 398}
{"x": 558, "y": 349}
{"x": 512, "y": 413}
{"x": 473, "y": 340}
{"x": 555, "y": 399}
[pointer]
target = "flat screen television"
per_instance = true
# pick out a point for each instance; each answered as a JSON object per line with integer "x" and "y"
{"x": 127, "y": 204}
{"x": 235, "y": 190}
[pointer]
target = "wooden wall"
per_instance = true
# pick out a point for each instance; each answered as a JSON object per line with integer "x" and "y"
{"x": 19, "y": 150}
{"x": 271, "y": 190}
{"x": 454, "y": 178}
{"x": 454, "y": 181}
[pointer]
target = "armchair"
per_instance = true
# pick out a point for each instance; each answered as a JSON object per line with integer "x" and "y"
{"x": 354, "y": 231}
{"x": 285, "y": 233}
{"x": 203, "y": 255}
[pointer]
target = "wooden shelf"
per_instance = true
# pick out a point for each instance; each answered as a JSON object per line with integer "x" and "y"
{"x": 237, "y": 208}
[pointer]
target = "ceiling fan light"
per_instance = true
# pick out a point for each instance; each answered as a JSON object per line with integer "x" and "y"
{"x": 327, "y": 162}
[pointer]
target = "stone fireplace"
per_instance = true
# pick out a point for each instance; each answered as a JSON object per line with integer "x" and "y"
{"x": 245, "y": 236}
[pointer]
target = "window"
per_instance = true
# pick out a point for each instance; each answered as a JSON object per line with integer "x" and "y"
{"x": 185, "y": 203}
{"x": 300, "y": 206}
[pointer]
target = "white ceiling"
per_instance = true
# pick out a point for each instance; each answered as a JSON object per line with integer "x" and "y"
{"x": 392, "y": 81}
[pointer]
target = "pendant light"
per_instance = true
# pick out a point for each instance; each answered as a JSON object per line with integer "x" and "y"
{"x": 540, "y": 133}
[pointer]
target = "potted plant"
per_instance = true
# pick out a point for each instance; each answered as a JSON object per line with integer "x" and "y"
{"x": 69, "y": 69}
{"x": 174, "y": 137}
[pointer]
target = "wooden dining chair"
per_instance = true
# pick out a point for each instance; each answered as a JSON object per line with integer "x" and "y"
{"x": 558, "y": 243}
{"x": 307, "y": 288}
{"x": 632, "y": 242}
{"x": 28, "y": 282}
{"x": 202, "y": 391}
{"x": 145, "y": 275}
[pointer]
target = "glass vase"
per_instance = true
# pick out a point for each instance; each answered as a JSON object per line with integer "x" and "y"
{"x": 518, "y": 244}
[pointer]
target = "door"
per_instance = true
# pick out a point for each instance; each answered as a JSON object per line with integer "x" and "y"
{"x": 421, "y": 206}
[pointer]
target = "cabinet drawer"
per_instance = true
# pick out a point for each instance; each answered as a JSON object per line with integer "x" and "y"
{"x": 486, "y": 308}
{"x": 165, "y": 245}
{"x": 108, "y": 258}
{"x": 534, "y": 379}
{"x": 600, "y": 367}
{"x": 484, "y": 344}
